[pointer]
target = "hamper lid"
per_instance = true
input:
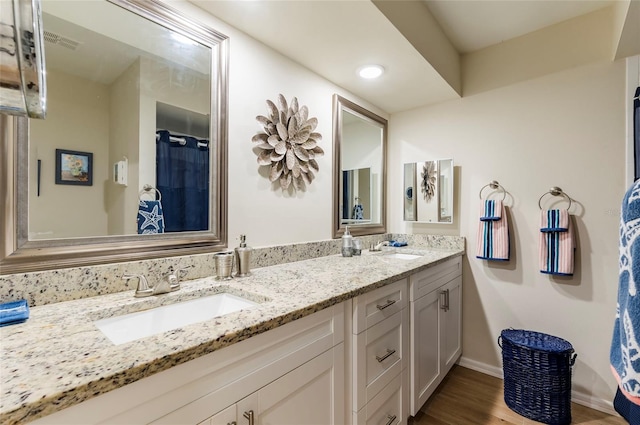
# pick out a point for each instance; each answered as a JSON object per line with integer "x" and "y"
{"x": 536, "y": 340}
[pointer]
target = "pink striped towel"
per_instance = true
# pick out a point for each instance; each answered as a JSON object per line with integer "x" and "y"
{"x": 490, "y": 210}
{"x": 554, "y": 220}
{"x": 557, "y": 249}
{"x": 493, "y": 232}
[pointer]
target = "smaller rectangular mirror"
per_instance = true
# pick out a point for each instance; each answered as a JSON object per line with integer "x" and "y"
{"x": 359, "y": 149}
{"x": 428, "y": 191}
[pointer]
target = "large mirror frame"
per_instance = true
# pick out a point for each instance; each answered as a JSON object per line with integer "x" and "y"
{"x": 341, "y": 105}
{"x": 19, "y": 254}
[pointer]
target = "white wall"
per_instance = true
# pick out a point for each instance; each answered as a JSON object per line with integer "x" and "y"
{"x": 256, "y": 207}
{"x": 566, "y": 129}
{"x": 66, "y": 211}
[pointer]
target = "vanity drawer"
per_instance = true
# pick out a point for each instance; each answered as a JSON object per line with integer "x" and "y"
{"x": 388, "y": 407}
{"x": 432, "y": 278}
{"x": 379, "y": 356}
{"x": 375, "y": 306}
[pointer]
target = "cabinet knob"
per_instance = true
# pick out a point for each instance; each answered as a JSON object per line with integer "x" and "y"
{"x": 249, "y": 416}
{"x": 391, "y": 419}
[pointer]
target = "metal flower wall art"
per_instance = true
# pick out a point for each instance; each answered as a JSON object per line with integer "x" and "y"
{"x": 428, "y": 180}
{"x": 288, "y": 144}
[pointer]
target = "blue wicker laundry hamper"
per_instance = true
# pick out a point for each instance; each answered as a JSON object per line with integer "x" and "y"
{"x": 537, "y": 375}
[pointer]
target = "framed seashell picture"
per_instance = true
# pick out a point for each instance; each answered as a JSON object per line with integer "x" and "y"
{"x": 288, "y": 144}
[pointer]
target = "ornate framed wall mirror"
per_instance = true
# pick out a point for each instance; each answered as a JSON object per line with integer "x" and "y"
{"x": 137, "y": 93}
{"x": 23, "y": 90}
{"x": 428, "y": 191}
{"x": 359, "y": 164}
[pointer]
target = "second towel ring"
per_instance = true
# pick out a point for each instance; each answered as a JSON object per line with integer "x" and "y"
{"x": 494, "y": 185}
{"x": 145, "y": 191}
{"x": 555, "y": 191}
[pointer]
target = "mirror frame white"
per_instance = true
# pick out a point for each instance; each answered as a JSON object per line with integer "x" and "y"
{"x": 18, "y": 254}
{"x": 340, "y": 104}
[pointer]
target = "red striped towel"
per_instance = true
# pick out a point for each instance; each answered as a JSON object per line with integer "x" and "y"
{"x": 557, "y": 250}
{"x": 493, "y": 233}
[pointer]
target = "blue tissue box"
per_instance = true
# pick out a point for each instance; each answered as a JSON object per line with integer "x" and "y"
{"x": 13, "y": 312}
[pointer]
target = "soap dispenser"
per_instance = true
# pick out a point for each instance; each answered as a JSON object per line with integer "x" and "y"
{"x": 243, "y": 257}
{"x": 347, "y": 243}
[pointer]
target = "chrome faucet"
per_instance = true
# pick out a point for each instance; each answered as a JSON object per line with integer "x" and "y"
{"x": 170, "y": 282}
{"x": 378, "y": 246}
{"x": 143, "y": 289}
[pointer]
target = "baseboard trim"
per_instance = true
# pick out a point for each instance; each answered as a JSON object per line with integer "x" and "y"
{"x": 583, "y": 399}
{"x": 481, "y": 367}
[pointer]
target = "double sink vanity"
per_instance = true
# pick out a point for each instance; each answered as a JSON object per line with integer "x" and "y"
{"x": 329, "y": 340}
{"x": 324, "y": 340}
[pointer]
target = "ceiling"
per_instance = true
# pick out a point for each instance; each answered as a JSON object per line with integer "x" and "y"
{"x": 335, "y": 38}
{"x": 474, "y": 25}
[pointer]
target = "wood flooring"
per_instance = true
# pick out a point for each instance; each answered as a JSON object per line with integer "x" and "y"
{"x": 467, "y": 397}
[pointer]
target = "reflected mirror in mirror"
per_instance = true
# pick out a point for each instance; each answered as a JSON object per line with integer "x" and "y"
{"x": 141, "y": 89}
{"x": 359, "y": 163}
{"x": 428, "y": 191}
{"x": 356, "y": 196}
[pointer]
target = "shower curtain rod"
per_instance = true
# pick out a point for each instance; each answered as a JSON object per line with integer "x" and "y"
{"x": 182, "y": 141}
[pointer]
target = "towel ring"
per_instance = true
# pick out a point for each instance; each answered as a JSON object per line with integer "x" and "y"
{"x": 555, "y": 191}
{"x": 494, "y": 185}
{"x": 148, "y": 188}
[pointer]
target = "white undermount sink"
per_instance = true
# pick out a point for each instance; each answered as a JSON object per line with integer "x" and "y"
{"x": 132, "y": 326}
{"x": 402, "y": 256}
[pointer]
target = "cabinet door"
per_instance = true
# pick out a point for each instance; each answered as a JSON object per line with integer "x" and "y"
{"x": 451, "y": 338}
{"x": 225, "y": 417}
{"x": 312, "y": 394}
{"x": 246, "y": 411}
{"x": 425, "y": 351}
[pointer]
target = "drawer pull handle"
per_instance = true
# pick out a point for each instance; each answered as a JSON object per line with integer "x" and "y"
{"x": 391, "y": 419}
{"x": 389, "y": 303}
{"x": 232, "y": 423}
{"x": 383, "y": 358}
{"x": 249, "y": 416}
{"x": 445, "y": 303}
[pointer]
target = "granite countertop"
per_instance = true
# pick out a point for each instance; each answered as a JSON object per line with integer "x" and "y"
{"x": 59, "y": 358}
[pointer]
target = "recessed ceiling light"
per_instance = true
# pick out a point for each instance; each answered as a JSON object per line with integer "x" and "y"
{"x": 370, "y": 71}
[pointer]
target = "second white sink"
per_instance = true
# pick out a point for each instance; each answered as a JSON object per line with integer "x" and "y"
{"x": 129, "y": 327}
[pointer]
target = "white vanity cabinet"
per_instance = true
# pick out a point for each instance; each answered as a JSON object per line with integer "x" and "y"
{"x": 303, "y": 396}
{"x": 293, "y": 374}
{"x": 435, "y": 301}
{"x": 379, "y": 356}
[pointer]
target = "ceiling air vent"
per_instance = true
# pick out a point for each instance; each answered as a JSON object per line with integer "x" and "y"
{"x": 60, "y": 40}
